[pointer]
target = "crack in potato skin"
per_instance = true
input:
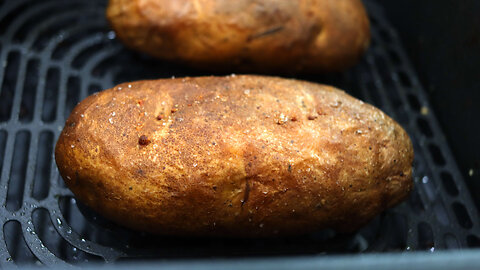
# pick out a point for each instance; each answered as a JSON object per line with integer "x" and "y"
{"x": 234, "y": 156}
{"x": 307, "y": 36}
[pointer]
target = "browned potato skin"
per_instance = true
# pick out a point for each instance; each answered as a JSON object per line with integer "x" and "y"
{"x": 234, "y": 156}
{"x": 307, "y": 36}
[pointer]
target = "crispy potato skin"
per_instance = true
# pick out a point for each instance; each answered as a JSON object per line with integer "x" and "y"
{"x": 308, "y": 36}
{"x": 233, "y": 156}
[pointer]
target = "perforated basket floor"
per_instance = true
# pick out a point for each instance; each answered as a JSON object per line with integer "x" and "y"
{"x": 54, "y": 53}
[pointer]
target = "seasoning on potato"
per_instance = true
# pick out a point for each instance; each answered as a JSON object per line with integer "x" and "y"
{"x": 308, "y": 36}
{"x": 234, "y": 156}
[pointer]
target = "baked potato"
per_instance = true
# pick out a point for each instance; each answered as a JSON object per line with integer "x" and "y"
{"x": 308, "y": 36}
{"x": 241, "y": 156}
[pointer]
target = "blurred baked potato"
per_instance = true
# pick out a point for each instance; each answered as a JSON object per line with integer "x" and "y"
{"x": 286, "y": 36}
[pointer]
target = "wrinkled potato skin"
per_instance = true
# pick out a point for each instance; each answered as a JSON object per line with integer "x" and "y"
{"x": 234, "y": 156}
{"x": 308, "y": 36}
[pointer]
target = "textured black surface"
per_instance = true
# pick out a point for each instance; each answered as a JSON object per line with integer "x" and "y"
{"x": 442, "y": 39}
{"x": 54, "y": 53}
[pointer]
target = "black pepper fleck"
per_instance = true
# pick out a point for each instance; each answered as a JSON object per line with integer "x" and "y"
{"x": 143, "y": 140}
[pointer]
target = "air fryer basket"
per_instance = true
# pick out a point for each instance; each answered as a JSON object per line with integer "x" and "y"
{"x": 54, "y": 53}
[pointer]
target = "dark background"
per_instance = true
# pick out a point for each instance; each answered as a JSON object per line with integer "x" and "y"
{"x": 442, "y": 39}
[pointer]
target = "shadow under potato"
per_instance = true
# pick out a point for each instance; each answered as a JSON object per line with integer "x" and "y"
{"x": 376, "y": 235}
